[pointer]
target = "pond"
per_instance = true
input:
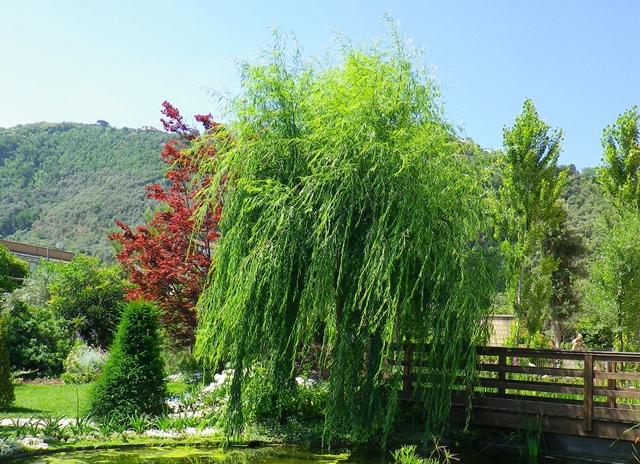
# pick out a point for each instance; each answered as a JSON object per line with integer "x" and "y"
{"x": 266, "y": 455}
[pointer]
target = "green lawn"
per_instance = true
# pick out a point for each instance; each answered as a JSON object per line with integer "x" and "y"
{"x": 49, "y": 400}
{"x": 58, "y": 400}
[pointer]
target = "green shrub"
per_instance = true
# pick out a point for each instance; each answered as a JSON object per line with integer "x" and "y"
{"x": 90, "y": 294}
{"x": 181, "y": 364}
{"x": 10, "y": 266}
{"x": 133, "y": 378}
{"x": 84, "y": 363}
{"x": 297, "y": 397}
{"x": 519, "y": 336}
{"x": 6, "y": 385}
{"x": 38, "y": 339}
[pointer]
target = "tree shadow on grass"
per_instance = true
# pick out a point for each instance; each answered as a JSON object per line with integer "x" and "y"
{"x": 27, "y": 411}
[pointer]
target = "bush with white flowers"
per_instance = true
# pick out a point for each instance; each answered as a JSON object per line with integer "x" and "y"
{"x": 84, "y": 363}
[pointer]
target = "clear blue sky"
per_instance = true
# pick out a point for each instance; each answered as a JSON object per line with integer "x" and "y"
{"x": 117, "y": 60}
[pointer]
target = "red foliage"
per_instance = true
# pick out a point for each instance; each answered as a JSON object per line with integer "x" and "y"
{"x": 167, "y": 259}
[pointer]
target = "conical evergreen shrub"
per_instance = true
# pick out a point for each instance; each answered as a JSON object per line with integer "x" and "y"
{"x": 6, "y": 385}
{"x": 133, "y": 378}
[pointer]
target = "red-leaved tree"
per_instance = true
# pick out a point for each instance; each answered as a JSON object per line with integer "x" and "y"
{"x": 168, "y": 259}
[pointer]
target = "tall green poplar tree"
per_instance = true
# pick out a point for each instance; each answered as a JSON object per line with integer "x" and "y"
{"x": 620, "y": 169}
{"x": 531, "y": 187}
{"x": 615, "y": 271}
{"x": 614, "y": 292}
{"x": 350, "y": 216}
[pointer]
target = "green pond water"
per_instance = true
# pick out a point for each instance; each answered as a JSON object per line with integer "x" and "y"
{"x": 267, "y": 455}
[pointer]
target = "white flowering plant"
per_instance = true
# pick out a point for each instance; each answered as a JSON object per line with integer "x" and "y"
{"x": 84, "y": 363}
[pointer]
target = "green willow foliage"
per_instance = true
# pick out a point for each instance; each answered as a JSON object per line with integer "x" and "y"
{"x": 351, "y": 218}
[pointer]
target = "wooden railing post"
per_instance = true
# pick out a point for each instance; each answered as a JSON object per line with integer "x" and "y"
{"x": 611, "y": 384}
{"x": 407, "y": 383}
{"x": 588, "y": 393}
{"x": 502, "y": 376}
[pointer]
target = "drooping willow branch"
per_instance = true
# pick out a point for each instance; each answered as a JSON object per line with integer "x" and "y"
{"x": 348, "y": 215}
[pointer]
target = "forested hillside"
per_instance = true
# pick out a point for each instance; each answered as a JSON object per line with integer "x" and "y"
{"x": 585, "y": 204}
{"x": 70, "y": 182}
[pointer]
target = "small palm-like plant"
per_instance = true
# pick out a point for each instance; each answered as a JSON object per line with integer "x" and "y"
{"x": 164, "y": 423}
{"x": 110, "y": 425}
{"x": 82, "y": 426}
{"x": 139, "y": 423}
{"x": 409, "y": 455}
{"x": 26, "y": 427}
{"x": 54, "y": 426}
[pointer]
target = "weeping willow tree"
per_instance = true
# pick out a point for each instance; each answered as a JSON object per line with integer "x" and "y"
{"x": 349, "y": 217}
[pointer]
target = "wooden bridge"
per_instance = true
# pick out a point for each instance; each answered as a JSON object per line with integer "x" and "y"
{"x": 592, "y": 393}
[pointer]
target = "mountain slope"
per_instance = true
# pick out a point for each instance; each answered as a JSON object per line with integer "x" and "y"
{"x": 70, "y": 182}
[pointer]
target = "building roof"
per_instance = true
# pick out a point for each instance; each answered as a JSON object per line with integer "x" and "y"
{"x": 31, "y": 252}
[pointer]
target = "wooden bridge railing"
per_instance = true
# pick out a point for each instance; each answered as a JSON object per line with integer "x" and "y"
{"x": 593, "y": 393}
